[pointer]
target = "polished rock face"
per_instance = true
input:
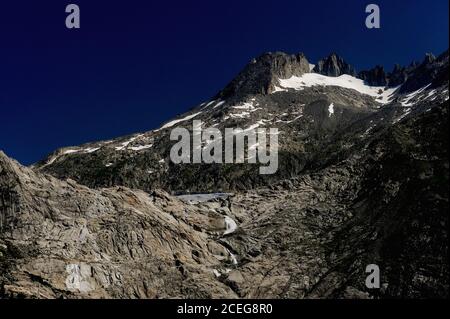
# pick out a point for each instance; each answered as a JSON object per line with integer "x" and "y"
{"x": 363, "y": 179}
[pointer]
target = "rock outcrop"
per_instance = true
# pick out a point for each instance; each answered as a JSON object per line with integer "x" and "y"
{"x": 334, "y": 65}
{"x": 261, "y": 74}
{"x": 431, "y": 70}
{"x": 59, "y": 239}
{"x": 375, "y": 77}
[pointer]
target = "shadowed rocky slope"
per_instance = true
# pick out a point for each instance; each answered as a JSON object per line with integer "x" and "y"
{"x": 300, "y": 110}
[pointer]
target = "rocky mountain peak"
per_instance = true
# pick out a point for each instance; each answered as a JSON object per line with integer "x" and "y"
{"x": 432, "y": 70}
{"x": 261, "y": 74}
{"x": 396, "y": 68}
{"x": 412, "y": 77}
{"x": 443, "y": 56}
{"x": 398, "y": 75}
{"x": 375, "y": 77}
{"x": 429, "y": 58}
{"x": 8, "y": 175}
{"x": 334, "y": 65}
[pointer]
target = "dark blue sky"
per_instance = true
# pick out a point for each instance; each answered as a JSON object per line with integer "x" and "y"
{"x": 135, "y": 64}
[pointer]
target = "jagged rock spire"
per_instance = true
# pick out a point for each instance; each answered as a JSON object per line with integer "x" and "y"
{"x": 429, "y": 58}
{"x": 375, "y": 77}
{"x": 334, "y": 65}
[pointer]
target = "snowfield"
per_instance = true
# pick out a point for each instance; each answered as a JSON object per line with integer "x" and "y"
{"x": 307, "y": 80}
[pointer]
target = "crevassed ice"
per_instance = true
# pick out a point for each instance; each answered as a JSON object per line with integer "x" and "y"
{"x": 346, "y": 81}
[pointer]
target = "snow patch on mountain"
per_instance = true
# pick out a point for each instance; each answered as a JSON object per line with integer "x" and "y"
{"x": 406, "y": 112}
{"x": 92, "y": 150}
{"x": 246, "y": 106}
{"x": 307, "y": 80}
{"x": 432, "y": 93}
{"x": 408, "y": 100}
{"x": 125, "y": 144}
{"x": 220, "y": 103}
{"x": 141, "y": 147}
{"x": 246, "y": 109}
{"x": 330, "y": 110}
{"x": 70, "y": 152}
{"x": 368, "y": 131}
{"x": 210, "y": 103}
{"x": 289, "y": 121}
{"x": 172, "y": 123}
{"x": 278, "y": 89}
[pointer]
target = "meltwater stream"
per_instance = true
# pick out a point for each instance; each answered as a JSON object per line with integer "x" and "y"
{"x": 230, "y": 224}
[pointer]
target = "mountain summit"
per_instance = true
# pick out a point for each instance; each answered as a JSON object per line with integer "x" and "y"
{"x": 260, "y": 76}
{"x": 334, "y": 65}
